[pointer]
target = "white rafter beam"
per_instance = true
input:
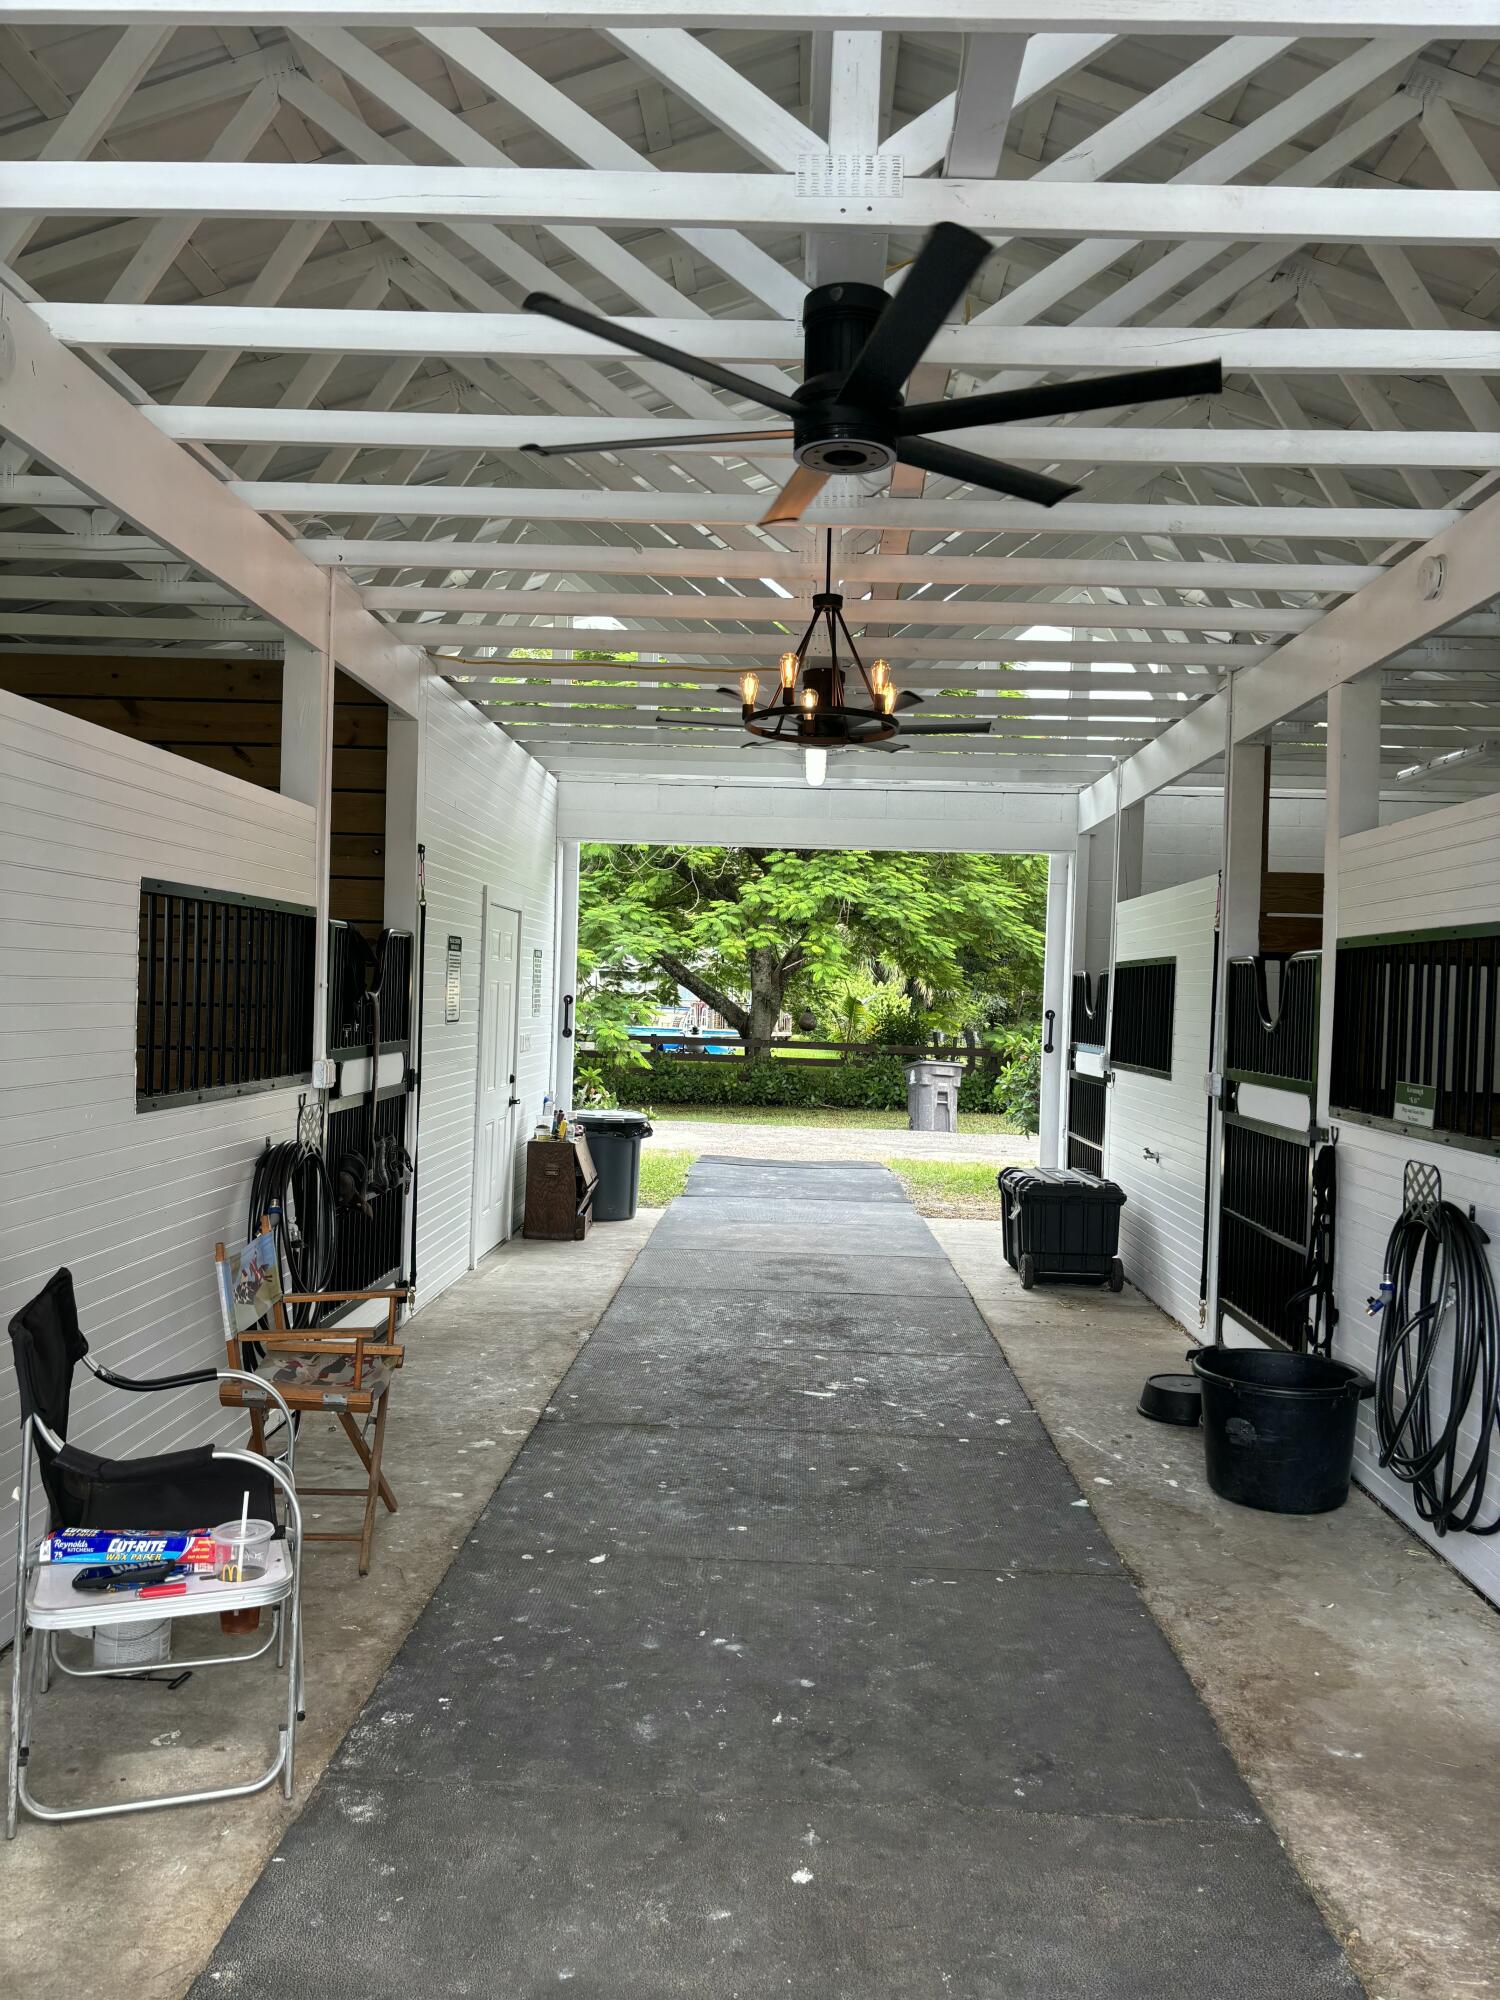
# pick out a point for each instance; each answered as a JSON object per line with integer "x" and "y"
{"x": 688, "y": 67}
{"x": 65, "y": 415}
{"x": 501, "y": 337}
{"x": 1059, "y": 444}
{"x": 1469, "y": 19}
{"x": 622, "y": 198}
{"x": 923, "y": 141}
{"x": 1380, "y": 622}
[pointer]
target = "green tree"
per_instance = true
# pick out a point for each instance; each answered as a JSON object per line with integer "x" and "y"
{"x": 753, "y": 930}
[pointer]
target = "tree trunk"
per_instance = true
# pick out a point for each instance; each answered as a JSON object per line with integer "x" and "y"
{"x": 767, "y": 985}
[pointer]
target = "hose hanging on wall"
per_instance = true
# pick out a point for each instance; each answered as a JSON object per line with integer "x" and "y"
{"x": 1317, "y": 1293}
{"x": 1439, "y": 1326}
{"x": 291, "y": 1185}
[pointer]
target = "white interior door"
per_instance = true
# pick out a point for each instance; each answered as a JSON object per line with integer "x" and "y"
{"x": 498, "y": 1099}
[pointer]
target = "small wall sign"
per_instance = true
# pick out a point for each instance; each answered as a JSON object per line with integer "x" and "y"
{"x": 1416, "y": 1104}
{"x": 454, "y": 984}
{"x": 536, "y": 984}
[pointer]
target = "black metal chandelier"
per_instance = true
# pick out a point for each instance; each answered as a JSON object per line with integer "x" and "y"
{"x": 826, "y": 698}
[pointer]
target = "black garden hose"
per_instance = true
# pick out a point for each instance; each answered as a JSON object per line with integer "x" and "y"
{"x": 1438, "y": 1367}
{"x": 292, "y": 1186}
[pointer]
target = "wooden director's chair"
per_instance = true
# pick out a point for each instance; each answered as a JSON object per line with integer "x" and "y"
{"x": 344, "y": 1371}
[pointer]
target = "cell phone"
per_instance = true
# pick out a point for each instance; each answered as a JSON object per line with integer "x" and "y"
{"x": 115, "y": 1577}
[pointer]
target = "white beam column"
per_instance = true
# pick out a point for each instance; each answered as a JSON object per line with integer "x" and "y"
{"x": 1352, "y": 806}
{"x": 307, "y": 774}
{"x": 566, "y": 1027}
{"x": 1239, "y": 895}
{"x": 1056, "y": 986}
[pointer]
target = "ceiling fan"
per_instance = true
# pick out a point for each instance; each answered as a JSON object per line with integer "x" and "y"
{"x": 860, "y": 345}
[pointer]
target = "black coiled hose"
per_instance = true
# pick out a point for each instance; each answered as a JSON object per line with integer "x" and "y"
{"x": 291, "y": 1185}
{"x": 1439, "y": 1351}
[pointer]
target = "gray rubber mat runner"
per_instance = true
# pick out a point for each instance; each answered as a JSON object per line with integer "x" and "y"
{"x": 787, "y": 1659}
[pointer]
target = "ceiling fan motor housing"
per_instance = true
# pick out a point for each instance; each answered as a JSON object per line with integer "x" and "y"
{"x": 830, "y": 437}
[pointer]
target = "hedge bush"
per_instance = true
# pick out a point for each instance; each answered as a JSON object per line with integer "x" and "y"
{"x": 876, "y": 1084}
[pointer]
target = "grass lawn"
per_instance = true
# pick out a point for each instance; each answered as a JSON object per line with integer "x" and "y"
{"x": 950, "y": 1187}
{"x": 858, "y": 1121}
{"x": 663, "y": 1175}
{"x": 936, "y": 1187}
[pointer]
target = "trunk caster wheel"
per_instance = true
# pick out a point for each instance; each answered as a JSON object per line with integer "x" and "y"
{"x": 1117, "y": 1276}
{"x": 1027, "y": 1269}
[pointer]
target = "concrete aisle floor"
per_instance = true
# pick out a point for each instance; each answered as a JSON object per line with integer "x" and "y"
{"x": 788, "y": 1658}
{"x": 129, "y": 1909}
{"x": 1355, "y": 1677}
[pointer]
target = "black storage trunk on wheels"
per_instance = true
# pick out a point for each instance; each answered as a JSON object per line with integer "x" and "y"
{"x": 1060, "y": 1223}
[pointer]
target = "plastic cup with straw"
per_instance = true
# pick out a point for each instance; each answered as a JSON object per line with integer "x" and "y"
{"x": 234, "y": 1572}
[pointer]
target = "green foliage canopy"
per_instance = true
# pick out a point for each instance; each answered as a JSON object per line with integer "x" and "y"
{"x": 753, "y": 930}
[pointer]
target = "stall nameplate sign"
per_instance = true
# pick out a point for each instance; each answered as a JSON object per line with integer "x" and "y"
{"x": 1416, "y": 1104}
{"x": 454, "y": 984}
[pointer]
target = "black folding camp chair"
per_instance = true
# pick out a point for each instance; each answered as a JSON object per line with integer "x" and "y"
{"x": 191, "y": 1489}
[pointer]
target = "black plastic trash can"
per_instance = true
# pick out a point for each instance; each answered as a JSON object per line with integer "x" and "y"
{"x": 1058, "y": 1222}
{"x": 615, "y": 1141}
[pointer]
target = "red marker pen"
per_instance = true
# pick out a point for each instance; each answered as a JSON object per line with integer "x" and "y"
{"x": 163, "y": 1590}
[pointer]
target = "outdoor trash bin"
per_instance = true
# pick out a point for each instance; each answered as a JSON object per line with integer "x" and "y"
{"x": 932, "y": 1096}
{"x": 1061, "y": 1223}
{"x": 615, "y": 1141}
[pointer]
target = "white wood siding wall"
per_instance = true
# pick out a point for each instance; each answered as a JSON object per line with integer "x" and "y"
{"x": 132, "y": 1201}
{"x": 488, "y": 814}
{"x": 1441, "y": 869}
{"x": 1161, "y": 1225}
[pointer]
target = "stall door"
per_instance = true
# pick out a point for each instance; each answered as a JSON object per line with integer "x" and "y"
{"x": 498, "y": 1101}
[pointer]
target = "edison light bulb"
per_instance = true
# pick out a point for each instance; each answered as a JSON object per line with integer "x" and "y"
{"x": 815, "y": 766}
{"x": 749, "y": 689}
{"x": 809, "y": 699}
{"x": 788, "y": 670}
{"x": 888, "y": 698}
{"x": 880, "y": 675}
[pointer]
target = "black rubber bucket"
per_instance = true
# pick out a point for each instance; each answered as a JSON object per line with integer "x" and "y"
{"x": 1278, "y": 1428}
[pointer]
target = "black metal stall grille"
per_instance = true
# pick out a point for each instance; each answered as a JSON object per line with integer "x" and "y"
{"x": 1266, "y": 1211}
{"x": 349, "y": 974}
{"x": 1422, "y": 1012}
{"x": 1140, "y": 1035}
{"x": 224, "y": 998}
{"x": 1086, "y": 1122}
{"x": 369, "y": 1246}
{"x": 1090, "y": 1010}
{"x": 1281, "y": 1052}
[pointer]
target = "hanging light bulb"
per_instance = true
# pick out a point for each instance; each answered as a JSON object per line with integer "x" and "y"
{"x": 888, "y": 699}
{"x": 880, "y": 675}
{"x": 815, "y": 766}
{"x": 788, "y": 670}
{"x": 749, "y": 689}
{"x": 809, "y": 699}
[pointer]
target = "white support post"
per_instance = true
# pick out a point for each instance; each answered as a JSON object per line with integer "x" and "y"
{"x": 307, "y": 774}
{"x": 1352, "y": 806}
{"x": 567, "y": 972}
{"x": 1056, "y": 985}
{"x": 1130, "y": 862}
{"x": 1239, "y": 933}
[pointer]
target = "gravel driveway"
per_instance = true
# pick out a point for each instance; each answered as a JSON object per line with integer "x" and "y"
{"x": 796, "y": 1142}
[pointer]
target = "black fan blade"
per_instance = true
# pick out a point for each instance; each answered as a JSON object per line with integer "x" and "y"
{"x": 946, "y": 728}
{"x": 795, "y": 497}
{"x": 1062, "y": 399}
{"x": 619, "y": 335}
{"x": 932, "y": 287}
{"x": 906, "y": 699}
{"x": 651, "y": 443}
{"x": 697, "y": 722}
{"x": 954, "y": 464}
